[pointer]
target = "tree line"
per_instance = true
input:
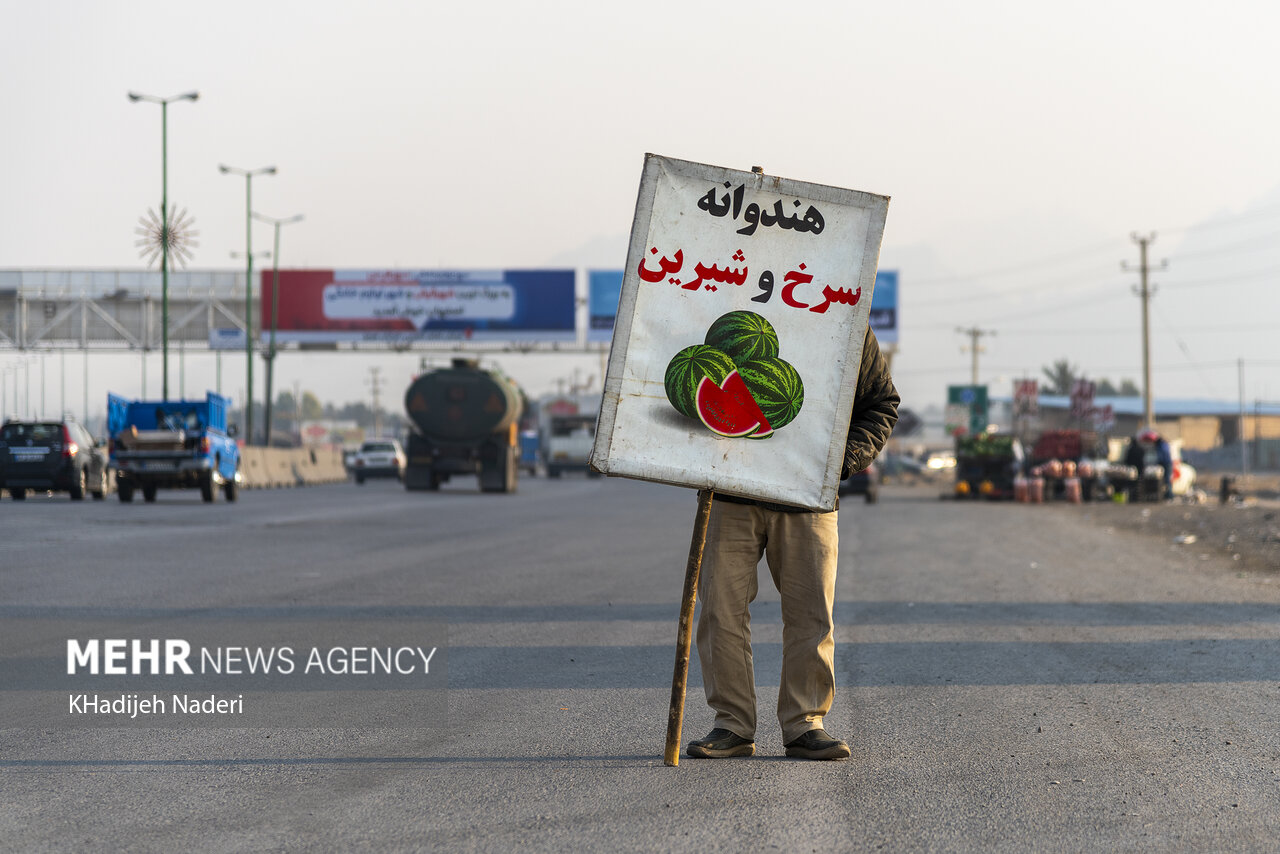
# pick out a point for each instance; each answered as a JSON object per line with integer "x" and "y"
{"x": 1062, "y": 375}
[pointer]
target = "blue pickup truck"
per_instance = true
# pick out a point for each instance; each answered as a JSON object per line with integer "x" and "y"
{"x": 173, "y": 444}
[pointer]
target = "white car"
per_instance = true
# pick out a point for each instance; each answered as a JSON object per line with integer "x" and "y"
{"x": 379, "y": 458}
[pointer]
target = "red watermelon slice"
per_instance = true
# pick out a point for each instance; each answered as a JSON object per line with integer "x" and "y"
{"x": 728, "y": 409}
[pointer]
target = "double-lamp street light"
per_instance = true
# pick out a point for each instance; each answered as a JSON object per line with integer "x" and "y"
{"x": 165, "y": 237}
{"x": 275, "y": 309}
{"x": 248, "y": 286}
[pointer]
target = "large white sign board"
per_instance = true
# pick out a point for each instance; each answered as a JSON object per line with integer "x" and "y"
{"x": 794, "y": 266}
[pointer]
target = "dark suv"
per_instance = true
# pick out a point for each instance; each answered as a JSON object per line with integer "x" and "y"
{"x": 865, "y": 482}
{"x": 51, "y": 455}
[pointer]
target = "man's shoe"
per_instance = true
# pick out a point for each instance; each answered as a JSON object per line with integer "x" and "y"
{"x": 816, "y": 744}
{"x": 721, "y": 744}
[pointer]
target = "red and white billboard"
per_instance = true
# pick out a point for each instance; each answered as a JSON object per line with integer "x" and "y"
{"x": 327, "y": 306}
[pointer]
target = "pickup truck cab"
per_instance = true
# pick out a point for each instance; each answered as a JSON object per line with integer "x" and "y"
{"x": 173, "y": 444}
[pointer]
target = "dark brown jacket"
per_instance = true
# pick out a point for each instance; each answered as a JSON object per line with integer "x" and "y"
{"x": 875, "y": 411}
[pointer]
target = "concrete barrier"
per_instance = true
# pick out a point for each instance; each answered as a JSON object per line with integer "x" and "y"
{"x": 270, "y": 468}
{"x": 253, "y": 470}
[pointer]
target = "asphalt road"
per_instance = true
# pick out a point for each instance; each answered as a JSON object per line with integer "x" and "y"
{"x": 1011, "y": 678}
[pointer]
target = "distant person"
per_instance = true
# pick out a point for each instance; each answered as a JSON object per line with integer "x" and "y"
{"x": 801, "y": 547}
{"x": 1164, "y": 457}
{"x": 1136, "y": 455}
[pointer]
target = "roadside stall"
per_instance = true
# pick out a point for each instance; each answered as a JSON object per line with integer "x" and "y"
{"x": 986, "y": 466}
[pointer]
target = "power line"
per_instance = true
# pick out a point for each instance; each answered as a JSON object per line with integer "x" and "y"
{"x": 1056, "y": 308}
{"x": 1233, "y": 364}
{"x": 1261, "y": 213}
{"x": 1083, "y": 252}
{"x": 1268, "y": 241}
{"x": 1186, "y": 351}
{"x": 1057, "y": 258}
{"x": 1004, "y": 293}
{"x": 1218, "y": 280}
{"x": 1114, "y": 330}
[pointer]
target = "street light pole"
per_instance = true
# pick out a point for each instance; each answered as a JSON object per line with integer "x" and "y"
{"x": 164, "y": 222}
{"x": 248, "y": 287}
{"x": 275, "y": 308}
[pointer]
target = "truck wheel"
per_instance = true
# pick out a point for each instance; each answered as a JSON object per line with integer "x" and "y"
{"x": 505, "y": 473}
{"x": 513, "y": 471}
{"x": 360, "y": 479}
{"x": 17, "y": 494}
{"x": 78, "y": 485}
{"x": 124, "y": 491}
{"x": 149, "y": 493}
{"x": 208, "y": 489}
{"x": 553, "y": 472}
{"x": 230, "y": 489}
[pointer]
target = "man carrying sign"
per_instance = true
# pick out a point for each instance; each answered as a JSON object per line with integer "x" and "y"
{"x": 743, "y": 366}
{"x": 801, "y": 547}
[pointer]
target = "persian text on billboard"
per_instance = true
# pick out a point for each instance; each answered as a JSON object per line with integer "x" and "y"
{"x": 408, "y": 305}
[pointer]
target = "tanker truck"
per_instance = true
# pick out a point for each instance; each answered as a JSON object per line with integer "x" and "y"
{"x": 464, "y": 421}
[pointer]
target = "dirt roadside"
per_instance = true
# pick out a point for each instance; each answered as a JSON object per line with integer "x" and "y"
{"x": 1246, "y": 530}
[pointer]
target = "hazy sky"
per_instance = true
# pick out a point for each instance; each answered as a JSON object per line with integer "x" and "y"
{"x": 1021, "y": 143}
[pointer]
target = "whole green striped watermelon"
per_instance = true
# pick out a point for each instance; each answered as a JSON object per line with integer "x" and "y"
{"x": 744, "y": 336}
{"x": 777, "y": 388}
{"x": 686, "y": 370}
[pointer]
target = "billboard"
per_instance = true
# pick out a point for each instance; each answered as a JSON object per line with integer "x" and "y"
{"x": 884, "y": 307}
{"x": 743, "y": 311}
{"x": 966, "y": 412}
{"x": 604, "y": 288}
{"x": 1026, "y": 398}
{"x": 328, "y": 306}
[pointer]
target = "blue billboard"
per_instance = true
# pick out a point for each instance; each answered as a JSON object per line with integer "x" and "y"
{"x": 884, "y": 307}
{"x": 604, "y": 287}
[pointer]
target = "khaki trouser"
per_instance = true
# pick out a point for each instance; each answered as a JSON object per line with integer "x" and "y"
{"x": 801, "y": 549}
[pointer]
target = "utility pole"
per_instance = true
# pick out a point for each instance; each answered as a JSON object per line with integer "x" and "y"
{"x": 270, "y": 355}
{"x": 975, "y": 348}
{"x": 1145, "y": 291}
{"x": 375, "y": 386}
{"x": 1244, "y": 443}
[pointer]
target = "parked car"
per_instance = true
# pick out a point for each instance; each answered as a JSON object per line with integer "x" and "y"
{"x": 379, "y": 458}
{"x": 900, "y": 468}
{"x": 59, "y": 456}
{"x": 940, "y": 462}
{"x": 865, "y": 482}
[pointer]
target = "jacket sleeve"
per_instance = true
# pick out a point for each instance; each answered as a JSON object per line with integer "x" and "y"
{"x": 875, "y": 409}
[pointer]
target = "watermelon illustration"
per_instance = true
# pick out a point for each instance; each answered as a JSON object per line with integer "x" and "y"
{"x": 744, "y": 336}
{"x": 687, "y": 369}
{"x": 776, "y": 387}
{"x": 728, "y": 409}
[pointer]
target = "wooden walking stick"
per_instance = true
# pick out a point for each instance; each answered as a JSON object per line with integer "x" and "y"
{"x": 684, "y": 637}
